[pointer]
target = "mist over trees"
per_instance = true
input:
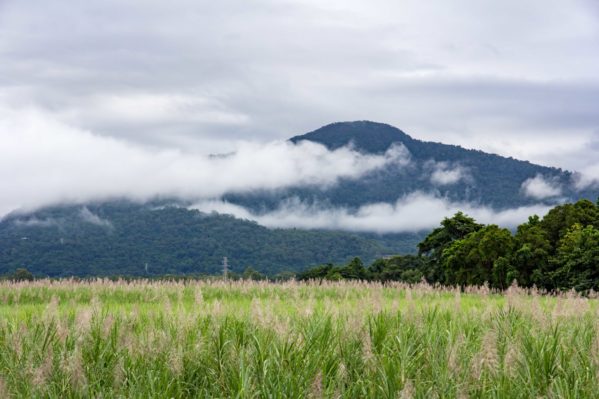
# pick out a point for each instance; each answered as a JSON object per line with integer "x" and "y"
{"x": 557, "y": 252}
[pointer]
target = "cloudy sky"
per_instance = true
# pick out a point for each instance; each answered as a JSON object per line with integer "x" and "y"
{"x": 85, "y": 85}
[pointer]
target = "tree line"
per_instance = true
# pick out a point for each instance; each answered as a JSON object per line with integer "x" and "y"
{"x": 557, "y": 252}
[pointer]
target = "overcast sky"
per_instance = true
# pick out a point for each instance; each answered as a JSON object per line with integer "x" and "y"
{"x": 516, "y": 77}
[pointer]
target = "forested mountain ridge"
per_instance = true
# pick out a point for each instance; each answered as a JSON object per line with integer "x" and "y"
{"x": 124, "y": 238}
{"x": 120, "y": 237}
{"x": 489, "y": 179}
{"x": 441, "y": 170}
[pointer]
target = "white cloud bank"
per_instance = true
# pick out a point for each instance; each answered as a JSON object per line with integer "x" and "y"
{"x": 539, "y": 187}
{"x": 44, "y": 161}
{"x": 88, "y": 216}
{"x": 415, "y": 212}
{"x": 444, "y": 174}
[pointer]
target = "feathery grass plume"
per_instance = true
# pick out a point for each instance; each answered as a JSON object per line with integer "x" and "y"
{"x": 83, "y": 320}
{"x": 316, "y": 388}
{"x": 408, "y": 391}
{"x": 199, "y": 298}
{"x": 511, "y": 359}
{"x": 95, "y": 302}
{"x": 487, "y": 358}
{"x": 438, "y": 352}
{"x": 341, "y": 372}
{"x": 367, "y": 353}
{"x": 41, "y": 374}
{"x": 175, "y": 360}
{"x": 281, "y": 326}
{"x": 457, "y": 299}
{"x": 308, "y": 308}
{"x": 4, "y": 391}
{"x": 118, "y": 373}
{"x": 394, "y": 306}
{"x": 575, "y": 305}
{"x": 462, "y": 392}
{"x": 51, "y": 313}
{"x": 16, "y": 340}
{"x": 376, "y": 299}
{"x": 76, "y": 370}
{"x": 216, "y": 309}
{"x": 453, "y": 355}
{"x": 513, "y": 295}
{"x": 537, "y": 312}
{"x": 107, "y": 325}
{"x": 410, "y": 304}
{"x": 168, "y": 305}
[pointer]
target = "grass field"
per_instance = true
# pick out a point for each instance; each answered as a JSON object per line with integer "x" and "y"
{"x": 215, "y": 339}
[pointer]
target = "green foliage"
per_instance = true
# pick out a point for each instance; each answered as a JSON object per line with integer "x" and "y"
{"x": 532, "y": 252}
{"x": 329, "y": 340}
{"x": 576, "y": 264}
{"x": 22, "y": 274}
{"x": 154, "y": 240}
{"x": 452, "y": 229}
{"x": 251, "y": 274}
{"x": 559, "y": 251}
{"x": 559, "y": 219}
{"x": 408, "y": 268}
{"x": 479, "y": 257}
{"x": 355, "y": 270}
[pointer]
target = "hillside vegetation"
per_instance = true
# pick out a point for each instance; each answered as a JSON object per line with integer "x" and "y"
{"x": 558, "y": 252}
{"x": 122, "y": 238}
{"x": 482, "y": 178}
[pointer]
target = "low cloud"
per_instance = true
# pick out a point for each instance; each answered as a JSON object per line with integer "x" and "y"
{"x": 415, "y": 212}
{"x": 36, "y": 222}
{"x": 89, "y": 217}
{"x": 539, "y": 187}
{"x": 588, "y": 178}
{"x": 444, "y": 174}
{"x": 44, "y": 161}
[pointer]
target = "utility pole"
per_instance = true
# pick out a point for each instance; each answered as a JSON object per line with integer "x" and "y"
{"x": 225, "y": 267}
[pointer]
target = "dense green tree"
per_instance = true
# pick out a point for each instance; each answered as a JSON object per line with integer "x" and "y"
{"x": 531, "y": 256}
{"x": 481, "y": 256}
{"x": 559, "y": 219}
{"x": 407, "y": 268}
{"x": 452, "y": 229}
{"x": 355, "y": 270}
{"x": 576, "y": 263}
{"x": 463, "y": 252}
{"x": 251, "y": 274}
{"x": 22, "y": 274}
{"x": 315, "y": 273}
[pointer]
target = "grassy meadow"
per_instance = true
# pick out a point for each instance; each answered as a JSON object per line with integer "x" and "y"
{"x": 148, "y": 339}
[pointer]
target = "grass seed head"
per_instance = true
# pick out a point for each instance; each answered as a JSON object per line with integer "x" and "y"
{"x": 408, "y": 391}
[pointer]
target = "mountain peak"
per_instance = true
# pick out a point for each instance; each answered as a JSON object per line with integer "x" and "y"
{"x": 372, "y": 137}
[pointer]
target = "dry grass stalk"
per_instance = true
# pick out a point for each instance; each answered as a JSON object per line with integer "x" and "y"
{"x": 4, "y": 391}
{"x": 317, "y": 389}
{"x": 408, "y": 391}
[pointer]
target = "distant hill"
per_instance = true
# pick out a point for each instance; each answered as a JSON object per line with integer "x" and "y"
{"x": 485, "y": 179}
{"x": 121, "y": 238}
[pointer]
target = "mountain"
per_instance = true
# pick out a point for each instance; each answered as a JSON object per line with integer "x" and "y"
{"x": 121, "y": 238}
{"x": 448, "y": 171}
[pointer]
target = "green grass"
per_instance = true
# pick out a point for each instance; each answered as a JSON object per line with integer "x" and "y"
{"x": 214, "y": 339}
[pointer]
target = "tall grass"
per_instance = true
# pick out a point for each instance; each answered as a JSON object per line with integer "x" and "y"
{"x": 253, "y": 340}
